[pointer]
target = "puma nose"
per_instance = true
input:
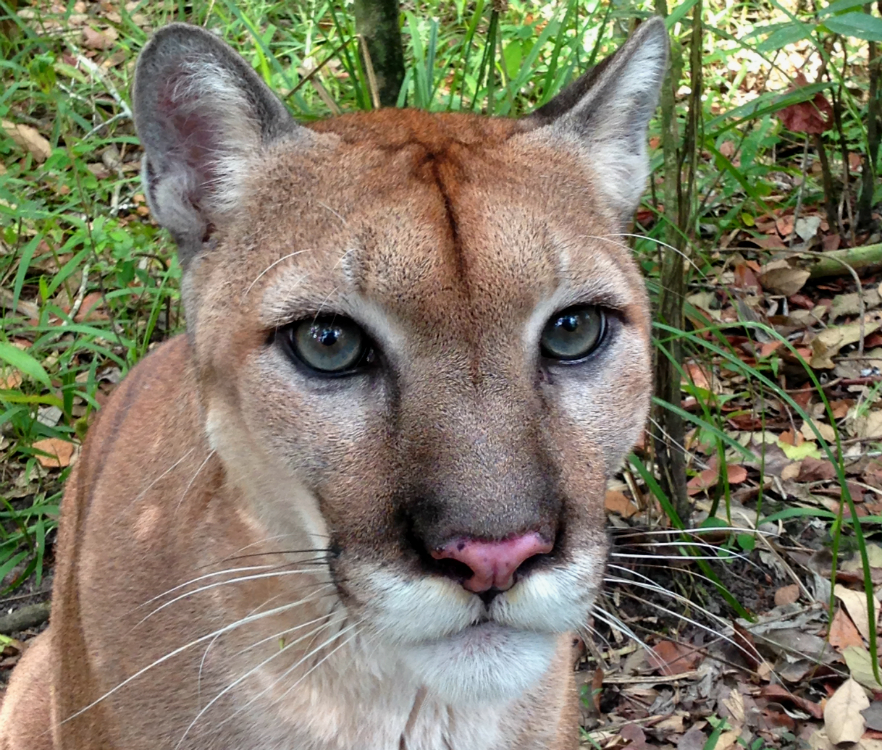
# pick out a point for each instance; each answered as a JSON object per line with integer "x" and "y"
{"x": 492, "y": 564}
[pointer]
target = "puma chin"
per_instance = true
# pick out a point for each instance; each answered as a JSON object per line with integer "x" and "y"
{"x": 468, "y": 651}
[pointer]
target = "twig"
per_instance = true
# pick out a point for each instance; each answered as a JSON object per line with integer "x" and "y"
{"x": 801, "y": 191}
{"x": 24, "y": 618}
{"x": 208, "y": 14}
{"x": 101, "y": 126}
{"x": 369, "y": 69}
{"x": 321, "y": 91}
{"x": 97, "y": 73}
{"x": 81, "y": 294}
{"x": 308, "y": 77}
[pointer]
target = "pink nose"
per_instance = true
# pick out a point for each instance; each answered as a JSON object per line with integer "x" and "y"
{"x": 493, "y": 564}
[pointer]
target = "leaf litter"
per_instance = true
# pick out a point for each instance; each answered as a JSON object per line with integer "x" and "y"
{"x": 669, "y": 665}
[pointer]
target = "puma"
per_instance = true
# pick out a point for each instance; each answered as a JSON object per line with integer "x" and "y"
{"x": 359, "y": 504}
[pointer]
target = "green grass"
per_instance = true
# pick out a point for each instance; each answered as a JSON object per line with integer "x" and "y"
{"x": 74, "y": 230}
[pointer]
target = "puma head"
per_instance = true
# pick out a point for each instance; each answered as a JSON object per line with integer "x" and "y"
{"x": 422, "y": 344}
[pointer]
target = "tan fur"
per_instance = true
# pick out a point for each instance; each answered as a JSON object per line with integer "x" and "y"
{"x": 450, "y": 239}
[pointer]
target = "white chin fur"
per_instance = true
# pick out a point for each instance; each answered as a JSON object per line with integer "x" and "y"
{"x": 482, "y": 664}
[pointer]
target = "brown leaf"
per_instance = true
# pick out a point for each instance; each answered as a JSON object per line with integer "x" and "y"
{"x": 816, "y": 470}
{"x": 791, "y": 471}
{"x": 831, "y": 242}
{"x": 11, "y": 380}
{"x": 694, "y": 739}
{"x": 91, "y": 308}
{"x": 29, "y": 139}
{"x": 635, "y": 736}
{"x": 60, "y": 452}
{"x": 815, "y": 116}
{"x": 786, "y": 595}
{"x": 94, "y": 39}
{"x": 617, "y": 502}
{"x": 843, "y": 633}
{"x": 711, "y": 476}
{"x": 699, "y": 375}
{"x": 671, "y": 658}
{"x": 855, "y": 603}
{"x": 744, "y": 640}
{"x": 771, "y": 242}
{"x": 779, "y": 693}
{"x": 825, "y": 431}
{"x": 783, "y": 279}
{"x": 789, "y": 437}
{"x": 784, "y": 224}
{"x": 745, "y": 278}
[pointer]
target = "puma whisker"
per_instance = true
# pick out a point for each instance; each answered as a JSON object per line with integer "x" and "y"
{"x": 417, "y": 348}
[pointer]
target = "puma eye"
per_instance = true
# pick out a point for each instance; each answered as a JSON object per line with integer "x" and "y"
{"x": 573, "y": 333}
{"x": 329, "y": 344}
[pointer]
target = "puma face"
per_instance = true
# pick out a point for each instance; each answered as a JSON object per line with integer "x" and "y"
{"x": 422, "y": 343}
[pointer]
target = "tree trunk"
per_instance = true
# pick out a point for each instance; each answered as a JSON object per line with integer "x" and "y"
{"x": 377, "y": 22}
{"x": 679, "y": 163}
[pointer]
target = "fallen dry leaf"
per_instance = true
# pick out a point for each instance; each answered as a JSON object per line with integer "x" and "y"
{"x": 793, "y": 471}
{"x": 786, "y": 595}
{"x": 91, "y": 308}
{"x": 784, "y": 224}
{"x": 735, "y": 706}
{"x": 671, "y": 658}
{"x": 710, "y": 476}
{"x": 12, "y": 379}
{"x": 860, "y": 665}
{"x": 94, "y": 39}
{"x": 873, "y": 716}
{"x": 617, "y": 502}
{"x": 850, "y": 304}
{"x": 819, "y": 741}
{"x": 869, "y": 425}
{"x": 807, "y": 227}
{"x": 29, "y": 139}
{"x": 728, "y": 739}
{"x": 60, "y": 452}
{"x": 694, "y": 739}
{"x": 825, "y": 430}
{"x": 843, "y": 633}
{"x": 829, "y": 341}
{"x": 635, "y": 736}
{"x": 856, "y": 604}
{"x": 780, "y": 693}
{"x": 816, "y": 470}
{"x": 874, "y": 557}
{"x": 814, "y": 116}
{"x": 842, "y": 714}
{"x": 783, "y": 279}
{"x": 698, "y": 375}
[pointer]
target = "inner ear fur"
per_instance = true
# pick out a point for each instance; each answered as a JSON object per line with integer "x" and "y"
{"x": 201, "y": 114}
{"x": 605, "y": 115}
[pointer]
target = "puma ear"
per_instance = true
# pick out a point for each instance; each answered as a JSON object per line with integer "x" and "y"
{"x": 201, "y": 113}
{"x": 606, "y": 114}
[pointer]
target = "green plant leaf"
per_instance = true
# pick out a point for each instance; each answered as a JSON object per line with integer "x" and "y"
{"x": 25, "y": 362}
{"x": 840, "y": 6}
{"x": 856, "y": 24}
